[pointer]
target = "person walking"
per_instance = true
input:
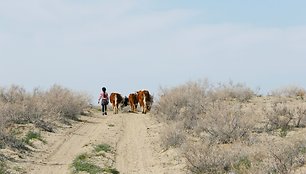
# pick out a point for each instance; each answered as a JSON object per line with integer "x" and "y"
{"x": 103, "y": 98}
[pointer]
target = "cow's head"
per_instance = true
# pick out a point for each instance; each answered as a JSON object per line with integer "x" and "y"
{"x": 150, "y": 103}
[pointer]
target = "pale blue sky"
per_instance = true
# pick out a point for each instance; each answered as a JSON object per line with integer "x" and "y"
{"x": 131, "y": 45}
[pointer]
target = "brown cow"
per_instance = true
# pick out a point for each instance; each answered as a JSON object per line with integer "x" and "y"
{"x": 116, "y": 99}
{"x": 145, "y": 100}
{"x": 133, "y": 101}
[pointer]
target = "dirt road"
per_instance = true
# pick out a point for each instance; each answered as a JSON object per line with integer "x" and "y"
{"x": 135, "y": 138}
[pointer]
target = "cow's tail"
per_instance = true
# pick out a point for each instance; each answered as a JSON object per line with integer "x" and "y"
{"x": 116, "y": 104}
{"x": 144, "y": 103}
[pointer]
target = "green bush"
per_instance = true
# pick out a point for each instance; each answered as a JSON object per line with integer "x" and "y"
{"x": 81, "y": 164}
{"x": 33, "y": 135}
{"x": 85, "y": 162}
{"x": 103, "y": 147}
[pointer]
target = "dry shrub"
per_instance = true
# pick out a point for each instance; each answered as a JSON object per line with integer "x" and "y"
{"x": 38, "y": 107}
{"x": 11, "y": 141}
{"x": 229, "y": 91}
{"x": 3, "y": 117}
{"x": 226, "y": 123}
{"x": 195, "y": 106}
{"x": 289, "y": 91}
{"x": 211, "y": 159}
{"x": 173, "y": 136}
{"x": 14, "y": 94}
{"x": 300, "y": 115}
{"x": 279, "y": 117}
{"x": 286, "y": 157}
{"x": 64, "y": 103}
{"x": 214, "y": 127}
{"x": 206, "y": 159}
{"x": 19, "y": 106}
{"x": 182, "y": 102}
{"x": 281, "y": 157}
{"x": 285, "y": 116}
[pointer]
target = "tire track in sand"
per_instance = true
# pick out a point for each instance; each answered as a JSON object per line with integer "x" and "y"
{"x": 135, "y": 153}
{"x": 58, "y": 156}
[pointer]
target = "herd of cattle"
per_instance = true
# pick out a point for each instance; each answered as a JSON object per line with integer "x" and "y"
{"x": 142, "y": 97}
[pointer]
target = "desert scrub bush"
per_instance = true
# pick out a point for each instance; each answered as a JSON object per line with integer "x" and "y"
{"x": 226, "y": 123}
{"x": 284, "y": 116}
{"x": 228, "y": 91}
{"x": 279, "y": 116}
{"x": 286, "y": 157}
{"x": 289, "y": 91}
{"x": 31, "y": 110}
{"x": 176, "y": 103}
{"x": 39, "y": 106}
{"x": 173, "y": 136}
{"x": 12, "y": 142}
{"x": 14, "y": 94}
{"x": 17, "y": 106}
{"x": 242, "y": 165}
{"x": 301, "y": 115}
{"x": 210, "y": 159}
{"x": 65, "y": 103}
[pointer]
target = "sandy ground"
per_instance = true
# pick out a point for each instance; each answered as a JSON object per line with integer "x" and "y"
{"x": 135, "y": 138}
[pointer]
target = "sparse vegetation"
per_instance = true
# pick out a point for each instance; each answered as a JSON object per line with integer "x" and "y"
{"x": 284, "y": 116}
{"x": 37, "y": 110}
{"x": 103, "y": 147}
{"x": 287, "y": 157}
{"x": 94, "y": 163}
{"x": 232, "y": 91}
{"x": 290, "y": 91}
{"x": 173, "y": 137}
{"x": 227, "y": 128}
{"x": 3, "y": 167}
{"x": 41, "y": 108}
{"x": 12, "y": 142}
{"x": 111, "y": 125}
{"x": 225, "y": 123}
{"x": 224, "y": 128}
{"x": 33, "y": 135}
{"x": 81, "y": 164}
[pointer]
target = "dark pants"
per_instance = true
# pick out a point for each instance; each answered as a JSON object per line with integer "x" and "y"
{"x": 104, "y": 107}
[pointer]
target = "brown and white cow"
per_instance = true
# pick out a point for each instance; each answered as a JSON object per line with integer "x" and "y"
{"x": 117, "y": 100}
{"x": 133, "y": 101}
{"x": 145, "y": 100}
